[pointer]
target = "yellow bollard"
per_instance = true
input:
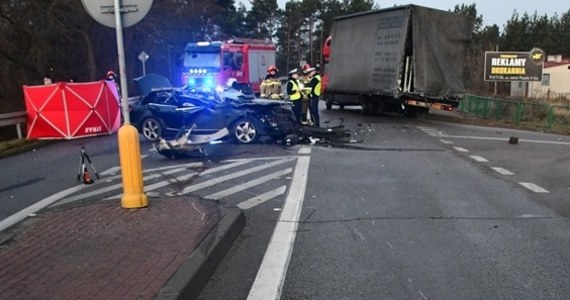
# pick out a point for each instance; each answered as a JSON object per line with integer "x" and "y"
{"x": 131, "y": 168}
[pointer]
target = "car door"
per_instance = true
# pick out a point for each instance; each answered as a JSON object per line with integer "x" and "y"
{"x": 212, "y": 118}
{"x": 165, "y": 107}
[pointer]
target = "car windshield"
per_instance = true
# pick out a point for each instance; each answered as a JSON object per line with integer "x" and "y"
{"x": 202, "y": 60}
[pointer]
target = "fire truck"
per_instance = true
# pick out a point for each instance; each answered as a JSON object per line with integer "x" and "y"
{"x": 241, "y": 62}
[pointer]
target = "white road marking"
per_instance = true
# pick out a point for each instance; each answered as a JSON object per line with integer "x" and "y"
{"x": 304, "y": 150}
{"x": 429, "y": 131}
{"x": 271, "y": 275}
{"x": 389, "y": 245}
{"x": 116, "y": 187}
{"x": 505, "y": 139}
{"x": 188, "y": 165}
{"x": 533, "y": 187}
{"x": 446, "y": 142}
{"x": 247, "y": 185}
{"x": 196, "y": 187}
{"x": 225, "y": 167}
{"x": 460, "y": 149}
{"x": 168, "y": 170}
{"x": 111, "y": 171}
{"x": 503, "y": 171}
{"x": 257, "y": 158}
{"x": 221, "y": 179}
{"x": 30, "y": 210}
{"x": 358, "y": 233}
{"x": 252, "y": 202}
{"x": 479, "y": 158}
{"x": 422, "y": 294}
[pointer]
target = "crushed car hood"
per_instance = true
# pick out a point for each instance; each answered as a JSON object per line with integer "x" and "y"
{"x": 152, "y": 82}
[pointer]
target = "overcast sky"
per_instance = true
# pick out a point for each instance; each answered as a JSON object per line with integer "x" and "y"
{"x": 493, "y": 11}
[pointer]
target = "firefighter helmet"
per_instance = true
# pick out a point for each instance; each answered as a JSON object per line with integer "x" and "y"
{"x": 306, "y": 67}
{"x": 272, "y": 68}
{"x": 111, "y": 73}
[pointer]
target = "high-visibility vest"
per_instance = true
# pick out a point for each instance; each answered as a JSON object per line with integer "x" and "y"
{"x": 297, "y": 91}
{"x": 317, "y": 88}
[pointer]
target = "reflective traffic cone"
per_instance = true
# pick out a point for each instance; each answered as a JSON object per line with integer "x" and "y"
{"x": 86, "y": 178}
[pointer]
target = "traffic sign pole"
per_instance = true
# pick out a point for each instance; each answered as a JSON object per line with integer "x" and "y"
{"x": 122, "y": 68}
{"x": 128, "y": 135}
{"x": 143, "y": 58}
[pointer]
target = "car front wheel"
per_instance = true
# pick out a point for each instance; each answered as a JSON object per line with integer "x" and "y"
{"x": 244, "y": 131}
{"x": 151, "y": 129}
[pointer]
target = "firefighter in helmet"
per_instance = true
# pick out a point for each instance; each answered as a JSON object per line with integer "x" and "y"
{"x": 271, "y": 86}
{"x": 294, "y": 93}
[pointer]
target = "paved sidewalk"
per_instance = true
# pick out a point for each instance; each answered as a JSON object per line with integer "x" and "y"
{"x": 102, "y": 251}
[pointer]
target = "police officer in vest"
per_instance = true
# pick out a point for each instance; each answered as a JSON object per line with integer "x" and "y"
{"x": 294, "y": 93}
{"x": 315, "y": 84}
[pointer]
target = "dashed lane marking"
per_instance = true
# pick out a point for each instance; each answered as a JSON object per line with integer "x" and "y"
{"x": 429, "y": 131}
{"x": 533, "y": 187}
{"x": 461, "y": 149}
{"x": 503, "y": 171}
{"x": 446, "y": 142}
{"x": 486, "y": 138}
{"x": 479, "y": 158}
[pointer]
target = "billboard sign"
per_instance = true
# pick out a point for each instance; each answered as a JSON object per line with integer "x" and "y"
{"x": 514, "y": 66}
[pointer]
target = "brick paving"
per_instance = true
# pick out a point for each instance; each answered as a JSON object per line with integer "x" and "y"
{"x": 102, "y": 251}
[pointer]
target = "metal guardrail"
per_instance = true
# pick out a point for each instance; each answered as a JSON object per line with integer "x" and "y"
{"x": 14, "y": 118}
{"x": 536, "y": 115}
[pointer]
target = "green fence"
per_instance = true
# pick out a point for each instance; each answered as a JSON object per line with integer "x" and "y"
{"x": 535, "y": 115}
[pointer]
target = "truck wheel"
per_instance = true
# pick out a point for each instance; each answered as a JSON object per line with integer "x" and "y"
{"x": 373, "y": 108}
{"x": 410, "y": 112}
{"x": 366, "y": 107}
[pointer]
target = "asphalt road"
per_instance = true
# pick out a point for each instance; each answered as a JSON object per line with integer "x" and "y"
{"x": 417, "y": 211}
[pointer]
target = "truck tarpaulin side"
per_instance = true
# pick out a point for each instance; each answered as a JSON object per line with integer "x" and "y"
{"x": 373, "y": 52}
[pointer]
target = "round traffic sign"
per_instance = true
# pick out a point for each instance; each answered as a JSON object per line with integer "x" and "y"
{"x": 103, "y": 11}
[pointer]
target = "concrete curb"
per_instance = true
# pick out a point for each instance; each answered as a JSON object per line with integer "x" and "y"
{"x": 192, "y": 276}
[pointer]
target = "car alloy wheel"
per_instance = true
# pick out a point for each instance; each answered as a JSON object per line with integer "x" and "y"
{"x": 151, "y": 129}
{"x": 245, "y": 132}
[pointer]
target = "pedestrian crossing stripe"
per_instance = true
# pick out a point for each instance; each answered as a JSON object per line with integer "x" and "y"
{"x": 182, "y": 168}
